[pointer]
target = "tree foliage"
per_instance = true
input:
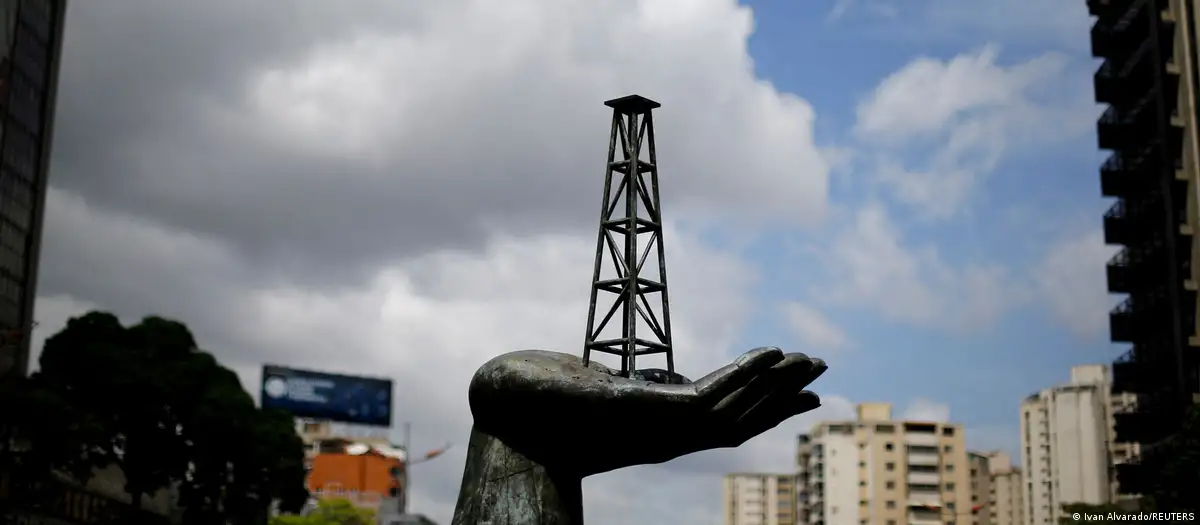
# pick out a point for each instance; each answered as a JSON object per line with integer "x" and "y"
{"x": 1103, "y": 511}
{"x": 330, "y": 512}
{"x": 1176, "y": 486}
{"x": 146, "y": 399}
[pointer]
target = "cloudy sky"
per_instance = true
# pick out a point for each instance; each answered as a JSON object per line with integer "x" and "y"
{"x": 408, "y": 188}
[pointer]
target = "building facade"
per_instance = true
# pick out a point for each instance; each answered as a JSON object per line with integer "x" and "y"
{"x": 368, "y": 479}
{"x": 1006, "y": 501}
{"x": 760, "y": 499}
{"x": 1066, "y": 432}
{"x": 1150, "y": 80}
{"x": 30, "y": 51}
{"x": 981, "y": 488}
{"x": 358, "y": 465}
{"x": 877, "y": 471}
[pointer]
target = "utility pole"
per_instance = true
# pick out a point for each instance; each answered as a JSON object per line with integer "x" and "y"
{"x": 408, "y": 461}
{"x": 622, "y": 230}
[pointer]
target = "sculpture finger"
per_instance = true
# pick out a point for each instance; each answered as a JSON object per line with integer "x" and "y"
{"x": 787, "y": 374}
{"x": 818, "y": 367}
{"x": 718, "y": 385}
{"x": 771, "y": 413}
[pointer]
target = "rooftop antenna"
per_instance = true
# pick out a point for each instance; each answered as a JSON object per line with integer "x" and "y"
{"x": 630, "y": 231}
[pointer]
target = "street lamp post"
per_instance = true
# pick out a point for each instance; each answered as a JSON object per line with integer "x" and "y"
{"x": 410, "y": 460}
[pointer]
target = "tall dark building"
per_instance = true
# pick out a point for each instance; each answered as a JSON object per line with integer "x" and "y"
{"x": 1149, "y": 79}
{"x": 30, "y": 49}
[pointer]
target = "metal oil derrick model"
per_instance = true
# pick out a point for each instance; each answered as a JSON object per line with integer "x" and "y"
{"x": 631, "y": 230}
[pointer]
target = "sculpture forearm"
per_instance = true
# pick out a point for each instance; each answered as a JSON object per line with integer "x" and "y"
{"x": 504, "y": 487}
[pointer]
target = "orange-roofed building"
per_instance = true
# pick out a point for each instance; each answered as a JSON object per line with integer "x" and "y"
{"x": 369, "y": 479}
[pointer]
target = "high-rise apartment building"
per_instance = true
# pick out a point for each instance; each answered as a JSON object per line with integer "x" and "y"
{"x": 1006, "y": 492}
{"x": 760, "y": 499}
{"x": 1150, "y": 79}
{"x": 30, "y": 47}
{"x": 1066, "y": 444}
{"x": 878, "y": 471}
{"x": 981, "y": 488}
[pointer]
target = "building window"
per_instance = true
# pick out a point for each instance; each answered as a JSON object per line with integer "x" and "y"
{"x": 30, "y": 56}
{"x": 885, "y": 429}
{"x": 891, "y": 485}
{"x": 947, "y": 449}
{"x": 862, "y": 483}
{"x": 891, "y": 522}
{"x": 947, "y": 431}
{"x": 862, "y": 464}
{"x": 890, "y": 466}
{"x": 889, "y": 447}
{"x": 949, "y": 467}
{"x": 890, "y": 504}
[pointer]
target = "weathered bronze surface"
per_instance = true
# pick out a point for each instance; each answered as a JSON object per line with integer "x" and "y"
{"x": 630, "y": 239}
{"x": 544, "y": 421}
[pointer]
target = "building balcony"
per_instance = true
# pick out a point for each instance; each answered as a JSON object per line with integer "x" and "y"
{"x": 1118, "y": 273}
{"x": 919, "y": 500}
{"x": 1106, "y": 83}
{"x": 1115, "y": 176}
{"x": 924, "y": 478}
{"x": 1126, "y": 374}
{"x": 921, "y": 439}
{"x": 922, "y": 459}
{"x": 923, "y": 516}
{"x": 1121, "y": 323}
{"x": 1111, "y": 131}
{"x": 1120, "y": 127}
{"x": 1116, "y": 224}
{"x": 1136, "y": 426}
{"x": 1134, "y": 268}
{"x": 1116, "y": 31}
{"x": 1127, "y": 173}
{"x": 1130, "y": 478}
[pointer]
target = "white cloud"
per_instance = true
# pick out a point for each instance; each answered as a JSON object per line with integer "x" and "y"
{"x": 427, "y": 322}
{"x": 1071, "y": 279}
{"x": 813, "y": 329}
{"x": 927, "y": 94}
{"x": 926, "y": 410}
{"x": 1057, "y": 24}
{"x": 957, "y": 119}
{"x": 870, "y": 266}
{"x": 383, "y": 90}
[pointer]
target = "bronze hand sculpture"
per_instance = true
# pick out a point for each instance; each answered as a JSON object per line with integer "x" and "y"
{"x": 544, "y": 421}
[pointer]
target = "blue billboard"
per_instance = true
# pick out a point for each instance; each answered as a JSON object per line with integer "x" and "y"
{"x": 330, "y": 397}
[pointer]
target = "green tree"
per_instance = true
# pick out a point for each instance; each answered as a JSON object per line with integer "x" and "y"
{"x": 147, "y": 399}
{"x": 330, "y": 512}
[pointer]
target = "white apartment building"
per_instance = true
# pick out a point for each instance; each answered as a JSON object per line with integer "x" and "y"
{"x": 1067, "y": 449}
{"x": 877, "y": 471}
{"x": 1005, "y": 492}
{"x": 760, "y": 499}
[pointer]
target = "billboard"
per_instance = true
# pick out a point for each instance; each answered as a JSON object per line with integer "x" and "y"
{"x": 331, "y": 397}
